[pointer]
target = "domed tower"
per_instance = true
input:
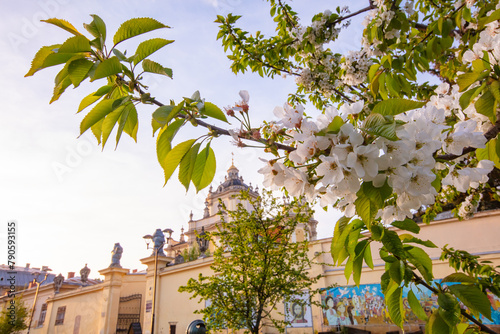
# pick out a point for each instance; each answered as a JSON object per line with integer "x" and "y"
{"x": 227, "y": 192}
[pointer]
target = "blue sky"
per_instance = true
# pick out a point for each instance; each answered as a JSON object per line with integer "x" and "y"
{"x": 72, "y": 215}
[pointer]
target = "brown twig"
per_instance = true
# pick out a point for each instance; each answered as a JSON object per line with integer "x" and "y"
{"x": 340, "y": 19}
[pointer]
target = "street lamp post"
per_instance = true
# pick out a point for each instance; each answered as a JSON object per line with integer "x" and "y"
{"x": 158, "y": 239}
{"x": 36, "y": 295}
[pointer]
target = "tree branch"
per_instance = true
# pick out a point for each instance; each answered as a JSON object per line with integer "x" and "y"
{"x": 464, "y": 313}
{"x": 218, "y": 130}
{"x": 370, "y": 7}
{"x": 257, "y": 58}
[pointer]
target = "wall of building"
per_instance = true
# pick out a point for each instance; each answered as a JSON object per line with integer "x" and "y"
{"x": 94, "y": 309}
{"x": 82, "y": 315}
{"x": 478, "y": 236}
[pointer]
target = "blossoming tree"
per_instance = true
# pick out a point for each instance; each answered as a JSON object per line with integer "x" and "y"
{"x": 383, "y": 148}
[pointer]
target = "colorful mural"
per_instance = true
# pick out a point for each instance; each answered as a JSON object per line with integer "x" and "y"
{"x": 343, "y": 306}
{"x": 298, "y": 311}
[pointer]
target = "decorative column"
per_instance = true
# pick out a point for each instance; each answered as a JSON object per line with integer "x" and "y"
{"x": 113, "y": 280}
{"x": 152, "y": 284}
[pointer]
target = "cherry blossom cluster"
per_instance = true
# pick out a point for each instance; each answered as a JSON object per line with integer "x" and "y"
{"x": 469, "y": 206}
{"x": 332, "y": 166}
{"x": 489, "y": 42}
{"x": 355, "y": 66}
{"x": 319, "y": 33}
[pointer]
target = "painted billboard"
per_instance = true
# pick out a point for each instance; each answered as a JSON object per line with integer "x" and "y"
{"x": 298, "y": 311}
{"x": 365, "y": 305}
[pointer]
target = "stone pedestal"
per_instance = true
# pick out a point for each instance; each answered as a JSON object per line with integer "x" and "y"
{"x": 150, "y": 289}
{"x": 113, "y": 280}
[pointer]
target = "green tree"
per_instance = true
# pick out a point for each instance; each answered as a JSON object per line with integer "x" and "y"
{"x": 13, "y": 318}
{"x": 256, "y": 265}
{"x": 384, "y": 144}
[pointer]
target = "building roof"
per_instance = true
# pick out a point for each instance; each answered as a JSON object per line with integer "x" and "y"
{"x": 233, "y": 181}
{"x": 23, "y": 276}
{"x": 77, "y": 281}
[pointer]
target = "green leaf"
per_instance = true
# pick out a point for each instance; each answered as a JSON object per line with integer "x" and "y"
{"x": 97, "y": 130}
{"x": 335, "y": 125}
{"x": 394, "y": 302}
{"x": 368, "y": 256}
{"x": 467, "y": 79}
{"x": 387, "y": 130}
{"x": 495, "y": 16}
{"x": 174, "y": 157}
{"x": 373, "y": 120}
{"x": 487, "y": 105}
{"x": 370, "y": 200}
{"x": 104, "y": 90}
{"x": 148, "y": 47}
{"x": 497, "y": 146}
{"x": 128, "y": 122}
{"x": 396, "y": 271}
{"x": 452, "y": 317}
{"x": 373, "y": 71}
{"x": 90, "y": 99}
{"x": 132, "y": 123}
{"x": 377, "y": 232}
{"x": 357, "y": 264}
{"x": 204, "y": 168}
{"x": 408, "y": 225}
{"x": 495, "y": 89}
{"x": 187, "y": 166}
{"x": 352, "y": 242}
{"x": 357, "y": 254}
{"x": 109, "y": 123}
{"x": 98, "y": 29}
{"x": 120, "y": 55}
{"x": 338, "y": 239}
{"x": 78, "y": 70}
{"x": 136, "y": 26}
{"x": 396, "y": 106}
{"x": 348, "y": 268}
{"x": 164, "y": 114}
{"x": 447, "y": 301}
{"x": 366, "y": 208}
{"x": 406, "y": 238}
{"x": 164, "y": 140}
{"x": 489, "y": 152}
{"x": 458, "y": 277}
{"x": 437, "y": 325}
{"x": 416, "y": 307}
{"x": 393, "y": 86}
{"x": 107, "y": 68}
{"x": 39, "y": 59}
{"x": 98, "y": 113}
{"x": 60, "y": 88}
{"x": 211, "y": 110}
{"x": 339, "y": 243}
{"x": 64, "y": 25}
{"x": 392, "y": 243}
{"x": 473, "y": 298}
{"x": 152, "y": 67}
{"x": 469, "y": 95}
{"x": 57, "y": 59}
{"x": 75, "y": 44}
{"x": 382, "y": 88}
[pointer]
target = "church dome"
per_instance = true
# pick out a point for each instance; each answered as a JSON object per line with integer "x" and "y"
{"x": 233, "y": 181}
